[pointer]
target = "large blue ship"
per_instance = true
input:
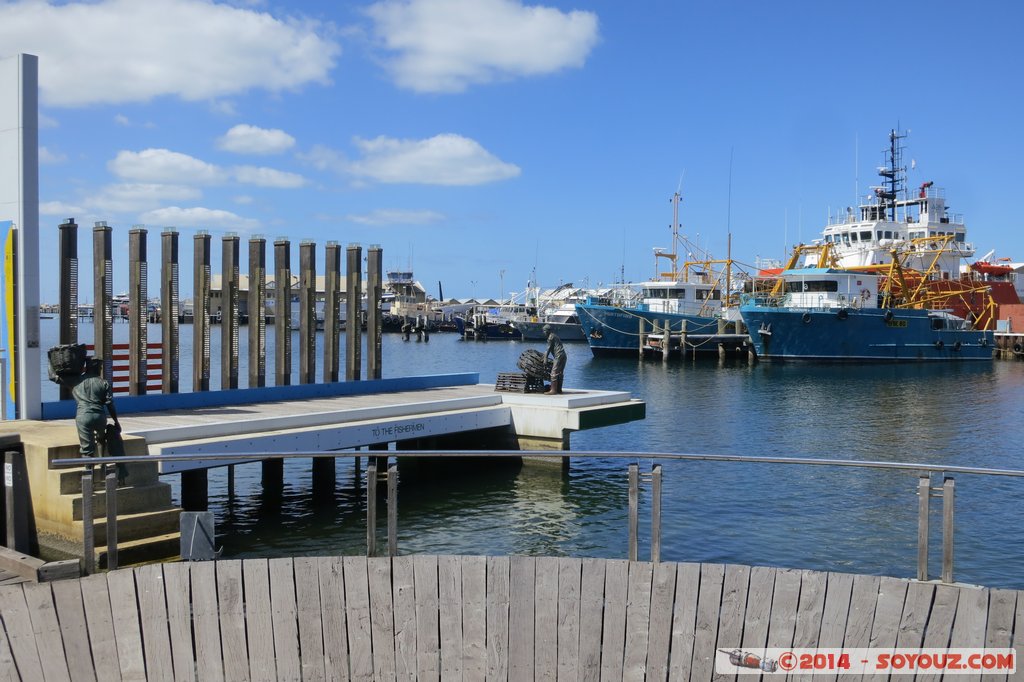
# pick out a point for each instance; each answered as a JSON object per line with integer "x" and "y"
{"x": 835, "y": 315}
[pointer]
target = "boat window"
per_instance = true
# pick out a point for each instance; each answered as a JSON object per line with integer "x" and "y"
{"x": 938, "y": 323}
{"x": 960, "y": 238}
{"x": 888, "y": 234}
{"x": 853, "y": 236}
{"x": 828, "y": 238}
{"x": 812, "y": 285}
{"x": 865, "y": 236}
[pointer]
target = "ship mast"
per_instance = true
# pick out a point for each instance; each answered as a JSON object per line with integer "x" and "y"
{"x": 894, "y": 175}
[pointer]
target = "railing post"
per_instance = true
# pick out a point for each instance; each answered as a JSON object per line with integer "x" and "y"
{"x": 948, "y": 491}
{"x": 371, "y": 507}
{"x": 634, "y": 485}
{"x": 923, "y": 500}
{"x": 656, "y": 513}
{"x": 393, "y": 510}
{"x": 88, "y": 539}
{"x": 111, "y": 482}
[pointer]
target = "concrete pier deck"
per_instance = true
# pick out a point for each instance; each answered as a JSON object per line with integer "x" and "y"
{"x": 471, "y": 617}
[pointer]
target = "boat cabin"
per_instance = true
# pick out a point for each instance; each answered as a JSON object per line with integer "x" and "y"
{"x": 829, "y": 288}
{"x": 686, "y": 298}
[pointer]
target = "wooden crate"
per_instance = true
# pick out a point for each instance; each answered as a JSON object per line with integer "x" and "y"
{"x": 518, "y": 382}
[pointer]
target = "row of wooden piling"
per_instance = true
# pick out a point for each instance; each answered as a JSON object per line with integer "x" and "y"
{"x": 170, "y": 302}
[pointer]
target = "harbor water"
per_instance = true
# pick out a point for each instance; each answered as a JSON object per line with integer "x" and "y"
{"x": 824, "y": 518}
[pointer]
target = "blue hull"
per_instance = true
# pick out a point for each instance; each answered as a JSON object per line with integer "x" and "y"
{"x": 616, "y": 331}
{"x": 872, "y": 335}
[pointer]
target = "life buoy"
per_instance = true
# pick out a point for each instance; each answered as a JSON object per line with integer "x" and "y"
{"x": 806, "y": 318}
{"x": 1017, "y": 348}
{"x": 843, "y": 313}
{"x": 888, "y": 316}
{"x": 865, "y": 294}
{"x": 939, "y": 344}
{"x": 956, "y": 345}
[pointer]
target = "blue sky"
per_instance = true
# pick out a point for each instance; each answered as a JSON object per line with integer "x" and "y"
{"x": 476, "y": 140}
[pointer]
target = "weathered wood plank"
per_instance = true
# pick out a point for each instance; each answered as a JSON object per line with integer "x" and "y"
{"x": 428, "y": 647}
{"x": 1018, "y": 637}
{"x": 282, "y": 615}
{"x": 638, "y": 620}
{"x": 21, "y": 638}
{"x": 999, "y": 631}
{"x": 914, "y": 620}
{"x": 357, "y": 611}
{"x": 705, "y": 635}
{"x": 570, "y": 573}
{"x": 124, "y": 608}
{"x": 684, "y": 621}
{"x": 838, "y": 591}
{"x": 546, "y": 619}
{"x": 331, "y": 574}
{"x": 404, "y": 598}
{"x": 179, "y": 619}
{"x": 497, "y": 617}
{"x": 732, "y": 612}
{"x": 39, "y": 599}
{"x": 591, "y": 618}
{"x": 810, "y": 610}
{"x": 663, "y": 592}
{"x": 969, "y": 622}
{"x": 230, "y": 611}
{"x": 759, "y": 608}
{"x": 522, "y": 580}
{"x": 382, "y": 619}
{"x": 474, "y": 618}
{"x": 786, "y": 595}
{"x": 96, "y": 600}
{"x": 8, "y": 669}
{"x": 206, "y": 619}
{"x": 259, "y": 619}
{"x": 940, "y": 622}
{"x": 863, "y": 601}
{"x": 156, "y": 638}
{"x": 449, "y": 591}
{"x": 892, "y": 593}
{"x": 67, "y": 601}
{"x": 613, "y": 638}
{"x": 310, "y": 617}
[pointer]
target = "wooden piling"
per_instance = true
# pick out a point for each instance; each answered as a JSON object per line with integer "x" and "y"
{"x": 643, "y": 338}
{"x": 666, "y": 340}
{"x": 948, "y": 493}
{"x": 201, "y": 312}
{"x": 257, "y": 305}
{"x": 371, "y": 507}
{"x": 169, "y": 311}
{"x": 307, "y": 312}
{"x": 682, "y": 339}
{"x": 138, "y": 311}
{"x": 68, "y": 289}
{"x": 393, "y": 509}
{"x": 103, "y": 295}
{"x": 374, "y": 285}
{"x": 282, "y": 312}
{"x": 332, "y": 312}
{"x": 353, "y": 316}
{"x": 229, "y": 312}
{"x": 656, "y": 513}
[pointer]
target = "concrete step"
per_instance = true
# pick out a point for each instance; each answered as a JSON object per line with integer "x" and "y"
{"x": 166, "y": 547}
{"x": 143, "y": 473}
{"x": 138, "y": 526}
{"x": 130, "y": 500}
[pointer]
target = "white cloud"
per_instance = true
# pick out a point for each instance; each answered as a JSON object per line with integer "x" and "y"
{"x": 440, "y": 160}
{"x": 324, "y": 159}
{"x": 134, "y": 197}
{"x": 115, "y": 51}
{"x": 59, "y": 208}
{"x": 268, "y": 177}
{"x": 48, "y": 157}
{"x": 247, "y": 139}
{"x": 448, "y": 45}
{"x": 122, "y": 120}
{"x": 164, "y": 166}
{"x": 198, "y": 217}
{"x": 396, "y": 216}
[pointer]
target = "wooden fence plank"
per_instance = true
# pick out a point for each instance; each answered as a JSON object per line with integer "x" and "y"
{"x": 259, "y": 620}
{"x": 428, "y": 647}
{"x": 404, "y": 599}
{"x": 230, "y": 609}
{"x": 638, "y": 620}
{"x": 705, "y": 634}
{"x": 357, "y": 612}
{"x": 591, "y": 617}
{"x": 46, "y": 628}
{"x": 282, "y": 615}
{"x": 331, "y": 574}
{"x": 124, "y": 608}
{"x": 474, "y": 618}
{"x": 206, "y": 619}
{"x": 449, "y": 592}
{"x": 570, "y": 573}
{"x": 310, "y": 617}
{"x": 522, "y": 581}
{"x": 545, "y": 641}
{"x": 179, "y": 619}
{"x": 613, "y": 638}
{"x": 497, "y": 617}
{"x": 67, "y": 601}
{"x": 732, "y": 613}
{"x": 684, "y": 621}
{"x": 382, "y": 619}
{"x": 96, "y": 601}
{"x": 20, "y": 636}
{"x": 156, "y": 638}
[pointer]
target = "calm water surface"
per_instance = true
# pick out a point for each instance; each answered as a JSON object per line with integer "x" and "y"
{"x": 805, "y": 517}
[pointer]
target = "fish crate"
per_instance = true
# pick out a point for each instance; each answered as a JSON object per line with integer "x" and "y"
{"x": 518, "y": 382}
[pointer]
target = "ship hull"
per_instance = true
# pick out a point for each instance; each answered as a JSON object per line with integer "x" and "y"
{"x": 534, "y": 331}
{"x": 614, "y": 331}
{"x": 860, "y": 336}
